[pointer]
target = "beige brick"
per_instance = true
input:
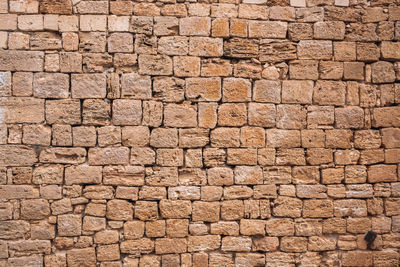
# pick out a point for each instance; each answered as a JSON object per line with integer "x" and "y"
{"x": 180, "y": 115}
{"x": 236, "y": 90}
{"x": 104, "y": 156}
{"x": 93, "y": 23}
{"x": 220, "y": 27}
{"x": 21, "y": 60}
{"x": 267, "y": 91}
{"x": 120, "y": 42}
{"x": 205, "y": 46}
{"x": 173, "y": 45}
{"x": 283, "y": 138}
{"x": 127, "y": 112}
{"x": 232, "y": 115}
{"x": 155, "y": 65}
{"x": 344, "y": 51}
{"x": 193, "y": 137}
{"x": 88, "y": 85}
{"x": 195, "y": 26}
{"x": 382, "y": 72}
{"x": 166, "y": 25}
{"x": 70, "y": 62}
{"x": 263, "y": 115}
{"x": 333, "y": 30}
{"x": 297, "y": 92}
{"x": 291, "y": 117}
{"x": 349, "y": 117}
{"x": 329, "y": 93}
{"x": 314, "y": 49}
{"x": 30, "y": 22}
{"x": 63, "y": 111}
{"x": 36, "y": 135}
{"x": 206, "y": 211}
{"x": 267, "y": 29}
{"x": 303, "y": 70}
{"x": 203, "y": 89}
{"x": 186, "y": 66}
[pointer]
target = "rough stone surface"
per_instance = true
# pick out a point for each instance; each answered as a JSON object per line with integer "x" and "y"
{"x": 199, "y": 133}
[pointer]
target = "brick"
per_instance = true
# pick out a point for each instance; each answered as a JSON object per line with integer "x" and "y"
{"x": 186, "y": 66}
{"x": 314, "y": 49}
{"x": 290, "y": 117}
{"x": 195, "y": 26}
{"x": 203, "y": 89}
{"x": 173, "y": 45}
{"x": 263, "y": 115}
{"x": 88, "y": 85}
{"x": 231, "y": 243}
{"x": 349, "y": 117}
{"x": 205, "y": 47}
{"x": 232, "y": 115}
{"x": 353, "y": 71}
{"x": 126, "y": 112}
{"x": 173, "y": 115}
{"x": 382, "y": 72}
{"x": 104, "y": 156}
{"x": 267, "y": 29}
{"x": 344, "y": 51}
{"x": 333, "y": 30}
{"x": 155, "y": 65}
{"x": 329, "y": 93}
{"x": 297, "y": 92}
{"x": 206, "y": 211}
{"x": 21, "y": 60}
{"x": 386, "y": 117}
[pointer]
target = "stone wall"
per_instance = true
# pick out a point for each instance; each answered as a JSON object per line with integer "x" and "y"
{"x": 172, "y": 133}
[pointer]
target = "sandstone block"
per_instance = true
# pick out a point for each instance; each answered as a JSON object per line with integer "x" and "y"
{"x": 349, "y": 117}
{"x": 233, "y": 243}
{"x": 186, "y": 66}
{"x": 382, "y": 72}
{"x": 297, "y": 92}
{"x": 66, "y": 111}
{"x": 88, "y": 85}
{"x": 329, "y": 93}
{"x": 291, "y": 117}
{"x": 146, "y": 210}
{"x": 386, "y": 117}
{"x": 195, "y": 26}
{"x": 232, "y": 114}
{"x": 69, "y": 225}
{"x": 155, "y": 65}
{"x": 203, "y": 89}
{"x": 333, "y": 30}
{"x": 170, "y": 245}
{"x": 314, "y": 49}
{"x": 142, "y": 245}
{"x": 175, "y": 209}
{"x": 135, "y": 86}
{"x": 193, "y": 137}
{"x": 180, "y": 115}
{"x": 173, "y": 45}
{"x": 205, "y": 211}
{"x": 267, "y": 29}
{"x": 318, "y": 208}
{"x": 127, "y": 112}
{"x": 205, "y": 47}
{"x": 82, "y": 256}
{"x": 12, "y": 155}
{"x": 112, "y": 155}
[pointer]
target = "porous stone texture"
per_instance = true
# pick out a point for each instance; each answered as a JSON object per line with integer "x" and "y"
{"x": 194, "y": 133}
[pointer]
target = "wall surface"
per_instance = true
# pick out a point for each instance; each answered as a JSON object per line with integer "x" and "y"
{"x": 171, "y": 133}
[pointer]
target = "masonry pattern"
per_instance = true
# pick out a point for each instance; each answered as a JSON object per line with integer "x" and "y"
{"x": 199, "y": 133}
